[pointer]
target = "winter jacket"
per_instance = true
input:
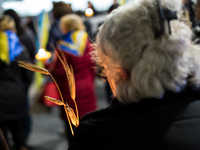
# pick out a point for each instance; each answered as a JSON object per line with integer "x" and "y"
{"x": 12, "y": 79}
{"x": 170, "y": 123}
{"x": 28, "y": 42}
{"x": 55, "y": 35}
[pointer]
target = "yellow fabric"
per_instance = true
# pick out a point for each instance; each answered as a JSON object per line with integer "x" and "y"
{"x": 122, "y": 2}
{"x": 39, "y": 76}
{"x": 83, "y": 44}
{"x": 74, "y": 35}
{"x": 42, "y": 44}
{"x": 4, "y": 48}
{"x": 79, "y": 38}
{"x": 67, "y": 44}
{"x": 45, "y": 30}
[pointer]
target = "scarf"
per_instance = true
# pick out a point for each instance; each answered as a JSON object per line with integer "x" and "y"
{"x": 10, "y": 47}
{"x": 74, "y": 42}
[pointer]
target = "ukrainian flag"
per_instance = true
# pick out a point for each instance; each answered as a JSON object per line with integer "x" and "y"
{"x": 10, "y": 46}
{"x": 74, "y": 42}
{"x": 43, "y": 34}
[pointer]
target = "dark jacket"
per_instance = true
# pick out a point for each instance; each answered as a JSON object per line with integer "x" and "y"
{"x": 12, "y": 94}
{"x": 28, "y": 42}
{"x": 171, "y": 123}
{"x": 55, "y": 35}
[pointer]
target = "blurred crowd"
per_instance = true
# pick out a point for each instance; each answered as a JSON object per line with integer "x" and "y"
{"x": 71, "y": 33}
{"x": 18, "y": 38}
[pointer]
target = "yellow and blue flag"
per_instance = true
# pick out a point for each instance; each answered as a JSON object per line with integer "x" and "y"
{"x": 43, "y": 34}
{"x": 10, "y": 47}
{"x": 74, "y": 42}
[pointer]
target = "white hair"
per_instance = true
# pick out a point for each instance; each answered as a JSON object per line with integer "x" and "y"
{"x": 154, "y": 65}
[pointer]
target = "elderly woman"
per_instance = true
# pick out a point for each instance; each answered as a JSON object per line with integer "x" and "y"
{"x": 154, "y": 71}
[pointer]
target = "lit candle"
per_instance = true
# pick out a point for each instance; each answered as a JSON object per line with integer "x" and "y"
{"x": 42, "y": 55}
{"x": 89, "y": 12}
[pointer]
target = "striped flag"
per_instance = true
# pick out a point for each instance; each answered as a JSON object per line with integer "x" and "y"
{"x": 43, "y": 35}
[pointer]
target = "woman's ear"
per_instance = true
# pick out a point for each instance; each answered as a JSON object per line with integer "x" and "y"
{"x": 122, "y": 73}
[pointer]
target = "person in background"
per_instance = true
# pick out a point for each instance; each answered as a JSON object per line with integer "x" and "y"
{"x": 92, "y": 7}
{"x": 153, "y": 68}
{"x": 31, "y": 26}
{"x": 77, "y": 48}
{"x": 23, "y": 34}
{"x": 59, "y": 9}
{"x": 113, "y": 6}
{"x": 30, "y": 29}
{"x": 12, "y": 78}
{"x": 27, "y": 41}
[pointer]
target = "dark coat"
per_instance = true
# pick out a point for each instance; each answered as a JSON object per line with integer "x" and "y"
{"x": 12, "y": 93}
{"x": 55, "y": 35}
{"x": 28, "y": 42}
{"x": 171, "y": 123}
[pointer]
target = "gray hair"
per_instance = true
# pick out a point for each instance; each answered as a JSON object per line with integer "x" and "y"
{"x": 154, "y": 65}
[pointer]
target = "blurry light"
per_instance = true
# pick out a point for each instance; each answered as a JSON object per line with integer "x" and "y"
{"x": 31, "y": 8}
{"x": 41, "y": 52}
{"x": 42, "y": 55}
{"x": 89, "y": 12}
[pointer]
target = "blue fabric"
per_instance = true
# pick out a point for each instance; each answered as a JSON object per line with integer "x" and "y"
{"x": 54, "y": 36}
{"x": 15, "y": 47}
{"x": 67, "y": 38}
{"x": 74, "y": 42}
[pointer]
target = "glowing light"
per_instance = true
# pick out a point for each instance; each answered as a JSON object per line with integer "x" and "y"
{"x": 89, "y": 12}
{"x": 43, "y": 55}
{"x": 41, "y": 52}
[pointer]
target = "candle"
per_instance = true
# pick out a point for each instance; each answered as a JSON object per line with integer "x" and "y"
{"x": 89, "y": 12}
{"x": 42, "y": 55}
